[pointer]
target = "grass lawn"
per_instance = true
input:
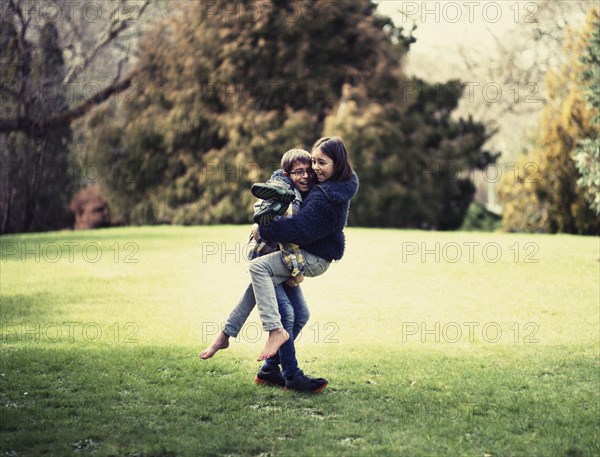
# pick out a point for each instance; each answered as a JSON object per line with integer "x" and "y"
{"x": 435, "y": 344}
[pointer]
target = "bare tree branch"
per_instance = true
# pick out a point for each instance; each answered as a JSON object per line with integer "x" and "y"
{"x": 24, "y": 119}
{"x": 116, "y": 27}
{"x": 39, "y": 128}
{"x": 10, "y": 91}
{"x": 24, "y": 60}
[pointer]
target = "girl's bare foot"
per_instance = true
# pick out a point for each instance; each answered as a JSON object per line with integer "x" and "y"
{"x": 221, "y": 342}
{"x": 276, "y": 338}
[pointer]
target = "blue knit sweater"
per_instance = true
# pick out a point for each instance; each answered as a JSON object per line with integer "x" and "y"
{"x": 318, "y": 227}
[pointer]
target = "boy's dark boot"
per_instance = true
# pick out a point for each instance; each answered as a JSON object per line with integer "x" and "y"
{"x": 303, "y": 383}
{"x": 274, "y": 190}
{"x": 269, "y": 210}
{"x": 270, "y": 378}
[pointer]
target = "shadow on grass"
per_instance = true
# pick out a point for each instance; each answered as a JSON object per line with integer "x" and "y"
{"x": 120, "y": 400}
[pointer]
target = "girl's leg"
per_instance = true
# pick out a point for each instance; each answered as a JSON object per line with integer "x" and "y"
{"x": 240, "y": 313}
{"x": 314, "y": 265}
{"x": 267, "y": 272}
{"x": 234, "y": 324}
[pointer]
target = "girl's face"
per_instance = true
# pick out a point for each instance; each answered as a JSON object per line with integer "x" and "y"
{"x": 322, "y": 165}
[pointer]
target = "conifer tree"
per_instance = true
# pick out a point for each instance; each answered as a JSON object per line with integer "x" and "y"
{"x": 587, "y": 156}
{"x": 224, "y": 90}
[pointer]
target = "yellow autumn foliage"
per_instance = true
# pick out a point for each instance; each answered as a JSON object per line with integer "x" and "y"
{"x": 550, "y": 200}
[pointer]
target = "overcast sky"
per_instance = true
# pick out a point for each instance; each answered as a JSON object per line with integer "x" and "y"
{"x": 443, "y": 26}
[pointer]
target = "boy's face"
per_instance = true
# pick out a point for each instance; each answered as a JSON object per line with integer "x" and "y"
{"x": 301, "y": 175}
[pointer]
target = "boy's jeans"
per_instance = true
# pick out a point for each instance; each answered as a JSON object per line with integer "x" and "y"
{"x": 294, "y": 316}
{"x": 267, "y": 272}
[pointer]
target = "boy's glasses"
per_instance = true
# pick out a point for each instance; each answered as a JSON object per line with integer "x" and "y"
{"x": 301, "y": 171}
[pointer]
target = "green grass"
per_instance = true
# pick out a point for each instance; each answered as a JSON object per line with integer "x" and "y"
{"x": 487, "y": 354}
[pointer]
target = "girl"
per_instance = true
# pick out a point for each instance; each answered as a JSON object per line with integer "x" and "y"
{"x": 317, "y": 228}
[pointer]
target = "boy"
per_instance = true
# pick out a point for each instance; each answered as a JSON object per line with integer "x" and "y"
{"x": 297, "y": 176}
{"x": 280, "y": 197}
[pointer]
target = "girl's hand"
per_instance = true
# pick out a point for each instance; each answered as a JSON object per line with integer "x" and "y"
{"x": 291, "y": 281}
{"x": 295, "y": 281}
{"x": 255, "y": 231}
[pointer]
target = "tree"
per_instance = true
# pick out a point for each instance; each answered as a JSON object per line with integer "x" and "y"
{"x": 587, "y": 156}
{"x": 35, "y": 187}
{"x": 546, "y": 197}
{"x": 24, "y": 17}
{"x": 513, "y": 69}
{"x": 414, "y": 161}
{"x": 225, "y": 90}
{"x": 45, "y": 56}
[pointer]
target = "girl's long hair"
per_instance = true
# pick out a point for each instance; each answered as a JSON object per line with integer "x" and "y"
{"x": 335, "y": 149}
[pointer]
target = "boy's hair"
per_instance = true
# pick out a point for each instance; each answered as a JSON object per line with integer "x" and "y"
{"x": 292, "y": 156}
{"x": 335, "y": 149}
